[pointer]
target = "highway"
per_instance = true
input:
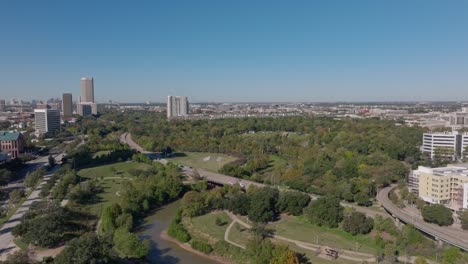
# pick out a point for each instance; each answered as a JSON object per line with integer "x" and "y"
{"x": 218, "y": 178}
{"x": 454, "y": 236}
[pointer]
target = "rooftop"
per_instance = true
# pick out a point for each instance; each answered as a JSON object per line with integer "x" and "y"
{"x": 445, "y": 171}
{"x": 8, "y": 135}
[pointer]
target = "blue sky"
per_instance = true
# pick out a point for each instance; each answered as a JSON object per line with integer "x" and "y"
{"x": 239, "y": 50}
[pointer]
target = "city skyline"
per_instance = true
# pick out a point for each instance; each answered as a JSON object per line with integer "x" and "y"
{"x": 321, "y": 51}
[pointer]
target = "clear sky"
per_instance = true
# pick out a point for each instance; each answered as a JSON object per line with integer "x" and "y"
{"x": 350, "y": 50}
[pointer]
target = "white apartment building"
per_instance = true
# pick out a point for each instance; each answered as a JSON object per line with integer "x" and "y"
{"x": 46, "y": 120}
{"x": 177, "y": 106}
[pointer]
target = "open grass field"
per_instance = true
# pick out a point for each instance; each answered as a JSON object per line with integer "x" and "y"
{"x": 299, "y": 229}
{"x": 111, "y": 187}
{"x": 203, "y": 160}
{"x": 120, "y": 170}
{"x": 111, "y": 177}
{"x": 207, "y": 224}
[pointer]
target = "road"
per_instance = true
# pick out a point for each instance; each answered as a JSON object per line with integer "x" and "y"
{"x": 126, "y": 138}
{"x": 451, "y": 235}
{"x": 7, "y": 245}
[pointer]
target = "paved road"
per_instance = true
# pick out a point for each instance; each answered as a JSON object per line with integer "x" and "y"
{"x": 451, "y": 235}
{"x": 7, "y": 245}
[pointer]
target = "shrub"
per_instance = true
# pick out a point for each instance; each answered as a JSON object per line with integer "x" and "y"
{"x": 220, "y": 222}
{"x": 201, "y": 246}
{"x": 177, "y": 230}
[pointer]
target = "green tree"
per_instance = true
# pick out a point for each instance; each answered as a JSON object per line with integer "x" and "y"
{"x": 44, "y": 226}
{"x": 19, "y": 257}
{"x": 51, "y": 161}
{"x": 438, "y": 214}
{"x": 283, "y": 255}
{"x": 292, "y": 202}
{"x": 464, "y": 219}
{"x": 357, "y": 223}
{"x": 263, "y": 204}
{"x": 325, "y": 211}
{"x": 5, "y": 176}
{"x": 193, "y": 204}
{"x": 86, "y": 249}
{"x": 108, "y": 218}
{"x": 128, "y": 245}
{"x": 16, "y": 195}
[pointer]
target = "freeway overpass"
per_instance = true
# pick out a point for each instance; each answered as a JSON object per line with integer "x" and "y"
{"x": 451, "y": 235}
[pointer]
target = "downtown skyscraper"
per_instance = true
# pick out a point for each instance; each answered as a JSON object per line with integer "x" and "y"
{"x": 86, "y": 105}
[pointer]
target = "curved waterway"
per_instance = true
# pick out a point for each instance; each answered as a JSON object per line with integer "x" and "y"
{"x": 162, "y": 251}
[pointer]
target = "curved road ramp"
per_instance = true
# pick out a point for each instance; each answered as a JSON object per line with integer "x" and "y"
{"x": 451, "y": 235}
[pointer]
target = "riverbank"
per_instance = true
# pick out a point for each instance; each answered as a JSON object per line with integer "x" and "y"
{"x": 188, "y": 248}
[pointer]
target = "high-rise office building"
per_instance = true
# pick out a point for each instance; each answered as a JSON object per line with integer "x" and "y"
{"x": 67, "y": 105}
{"x": 46, "y": 120}
{"x": 87, "y": 89}
{"x": 2, "y": 106}
{"x": 86, "y": 104}
{"x": 177, "y": 106}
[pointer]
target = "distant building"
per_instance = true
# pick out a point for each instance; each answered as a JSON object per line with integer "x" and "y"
{"x": 87, "y": 89}
{"x": 2, "y": 106}
{"x": 444, "y": 185}
{"x": 177, "y": 106}
{"x": 458, "y": 119}
{"x": 67, "y": 105}
{"x": 11, "y": 143}
{"x": 86, "y": 109}
{"x": 86, "y": 105}
{"x": 46, "y": 120}
{"x": 450, "y": 145}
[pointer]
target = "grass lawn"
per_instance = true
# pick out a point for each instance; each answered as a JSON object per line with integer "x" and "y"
{"x": 207, "y": 224}
{"x": 113, "y": 177}
{"x": 119, "y": 170}
{"x": 203, "y": 160}
{"x": 20, "y": 243}
{"x": 101, "y": 152}
{"x": 299, "y": 229}
{"x": 111, "y": 187}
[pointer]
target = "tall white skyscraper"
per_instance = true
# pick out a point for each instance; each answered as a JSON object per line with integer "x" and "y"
{"x": 46, "y": 120}
{"x": 86, "y": 105}
{"x": 177, "y": 106}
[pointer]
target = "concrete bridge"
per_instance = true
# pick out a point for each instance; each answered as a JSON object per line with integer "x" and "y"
{"x": 450, "y": 235}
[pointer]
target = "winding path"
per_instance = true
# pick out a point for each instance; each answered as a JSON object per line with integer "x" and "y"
{"x": 226, "y": 235}
{"x": 304, "y": 245}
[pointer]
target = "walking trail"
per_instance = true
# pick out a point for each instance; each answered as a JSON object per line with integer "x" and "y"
{"x": 344, "y": 254}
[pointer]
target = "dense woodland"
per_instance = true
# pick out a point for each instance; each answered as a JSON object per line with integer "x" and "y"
{"x": 349, "y": 157}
